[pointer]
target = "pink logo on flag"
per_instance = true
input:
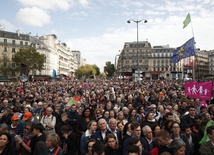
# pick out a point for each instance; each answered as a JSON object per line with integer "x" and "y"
{"x": 201, "y": 90}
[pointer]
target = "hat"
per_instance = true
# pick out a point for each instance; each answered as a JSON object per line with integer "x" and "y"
{"x": 15, "y": 118}
{"x": 27, "y": 115}
{"x": 203, "y": 104}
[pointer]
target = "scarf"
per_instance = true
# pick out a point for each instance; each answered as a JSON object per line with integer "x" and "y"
{"x": 27, "y": 136}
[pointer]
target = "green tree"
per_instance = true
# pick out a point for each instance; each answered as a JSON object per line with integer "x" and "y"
{"x": 109, "y": 69}
{"x": 85, "y": 71}
{"x": 97, "y": 69}
{"x": 5, "y": 65}
{"x": 28, "y": 59}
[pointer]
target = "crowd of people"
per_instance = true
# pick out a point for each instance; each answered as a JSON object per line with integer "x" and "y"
{"x": 105, "y": 117}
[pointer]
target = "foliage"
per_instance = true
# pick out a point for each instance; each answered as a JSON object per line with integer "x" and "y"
{"x": 85, "y": 71}
{"x": 5, "y": 65}
{"x": 28, "y": 59}
{"x": 97, "y": 69}
{"x": 109, "y": 69}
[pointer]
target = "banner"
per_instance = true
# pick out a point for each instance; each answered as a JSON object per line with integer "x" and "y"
{"x": 201, "y": 90}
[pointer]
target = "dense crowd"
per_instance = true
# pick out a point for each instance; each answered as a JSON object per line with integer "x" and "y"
{"x": 105, "y": 117}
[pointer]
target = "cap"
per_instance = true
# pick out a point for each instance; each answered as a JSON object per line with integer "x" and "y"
{"x": 15, "y": 118}
{"x": 27, "y": 115}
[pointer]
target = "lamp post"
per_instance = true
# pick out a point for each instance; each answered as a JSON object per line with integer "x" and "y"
{"x": 137, "y": 22}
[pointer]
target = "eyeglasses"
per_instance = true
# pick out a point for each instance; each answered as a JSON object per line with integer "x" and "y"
{"x": 175, "y": 127}
{"x": 15, "y": 120}
{"x": 27, "y": 128}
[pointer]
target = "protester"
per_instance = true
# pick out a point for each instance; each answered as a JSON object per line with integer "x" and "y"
{"x": 14, "y": 127}
{"x": 92, "y": 127}
{"x": 89, "y": 146}
{"x": 52, "y": 143}
{"x": 68, "y": 140}
{"x": 178, "y": 147}
{"x": 6, "y": 147}
{"x": 112, "y": 146}
{"x": 48, "y": 121}
{"x": 73, "y": 101}
{"x": 23, "y": 144}
{"x": 102, "y": 132}
{"x": 207, "y": 148}
{"x": 37, "y": 144}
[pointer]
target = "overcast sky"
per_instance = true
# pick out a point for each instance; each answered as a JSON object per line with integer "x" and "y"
{"x": 99, "y": 28}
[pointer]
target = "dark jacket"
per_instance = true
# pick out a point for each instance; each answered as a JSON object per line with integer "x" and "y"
{"x": 81, "y": 125}
{"x": 98, "y": 135}
{"x": 57, "y": 151}
{"x": 35, "y": 145}
{"x": 69, "y": 145}
{"x": 110, "y": 151}
{"x": 146, "y": 145}
{"x": 207, "y": 148}
{"x": 187, "y": 120}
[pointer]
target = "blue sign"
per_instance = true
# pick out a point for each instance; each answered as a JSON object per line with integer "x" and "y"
{"x": 23, "y": 78}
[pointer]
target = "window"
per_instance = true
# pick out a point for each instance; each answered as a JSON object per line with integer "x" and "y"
{"x": 13, "y": 50}
{"x": 13, "y": 42}
{"x": 5, "y": 41}
{"x": 5, "y": 49}
{"x": 21, "y": 43}
{"x": 26, "y": 43}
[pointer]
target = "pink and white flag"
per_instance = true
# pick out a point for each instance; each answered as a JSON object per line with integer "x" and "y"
{"x": 201, "y": 90}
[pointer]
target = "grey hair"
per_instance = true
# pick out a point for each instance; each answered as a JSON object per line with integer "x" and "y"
{"x": 177, "y": 144}
{"x": 145, "y": 128}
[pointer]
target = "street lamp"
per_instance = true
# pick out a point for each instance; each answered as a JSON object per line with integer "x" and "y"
{"x": 137, "y": 21}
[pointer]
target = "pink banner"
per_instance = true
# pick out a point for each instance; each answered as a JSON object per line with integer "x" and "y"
{"x": 201, "y": 90}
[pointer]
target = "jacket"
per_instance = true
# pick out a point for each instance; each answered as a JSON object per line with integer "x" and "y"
{"x": 206, "y": 148}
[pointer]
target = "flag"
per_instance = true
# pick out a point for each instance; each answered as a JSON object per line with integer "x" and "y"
{"x": 201, "y": 90}
{"x": 54, "y": 73}
{"x": 184, "y": 51}
{"x": 71, "y": 102}
{"x": 187, "y": 20}
{"x": 206, "y": 137}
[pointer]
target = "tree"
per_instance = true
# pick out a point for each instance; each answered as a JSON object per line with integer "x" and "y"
{"x": 97, "y": 69}
{"x": 85, "y": 71}
{"x": 30, "y": 59}
{"x": 109, "y": 69}
{"x": 5, "y": 65}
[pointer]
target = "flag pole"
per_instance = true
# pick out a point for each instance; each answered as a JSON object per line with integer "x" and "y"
{"x": 195, "y": 57}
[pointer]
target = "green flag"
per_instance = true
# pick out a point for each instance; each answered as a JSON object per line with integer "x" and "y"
{"x": 206, "y": 138}
{"x": 187, "y": 20}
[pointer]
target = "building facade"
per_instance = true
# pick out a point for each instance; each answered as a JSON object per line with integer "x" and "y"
{"x": 211, "y": 62}
{"x": 202, "y": 64}
{"x": 59, "y": 56}
{"x": 135, "y": 57}
{"x": 154, "y": 62}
